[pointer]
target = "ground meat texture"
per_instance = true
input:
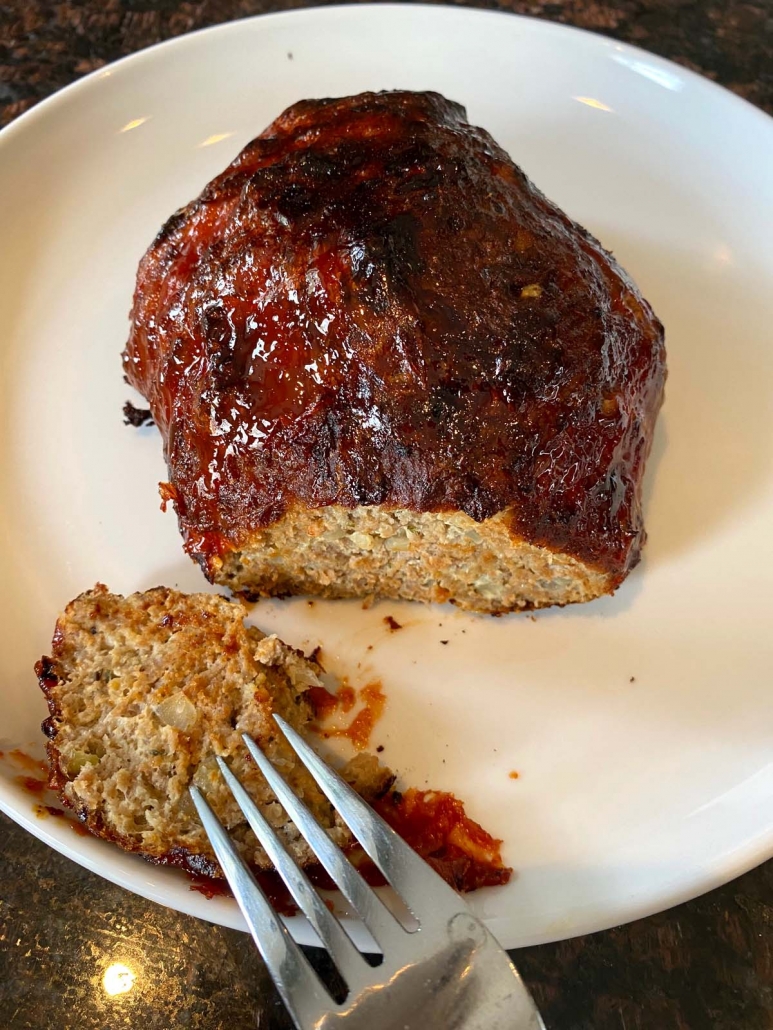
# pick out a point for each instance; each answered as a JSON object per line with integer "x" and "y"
{"x": 144, "y": 691}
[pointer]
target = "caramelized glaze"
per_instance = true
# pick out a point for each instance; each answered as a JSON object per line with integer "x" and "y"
{"x": 373, "y": 305}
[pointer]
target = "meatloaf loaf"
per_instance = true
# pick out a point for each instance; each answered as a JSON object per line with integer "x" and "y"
{"x": 383, "y": 363}
{"x": 144, "y": 691}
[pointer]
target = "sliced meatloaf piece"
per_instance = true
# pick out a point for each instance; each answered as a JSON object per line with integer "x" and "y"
{"x": 144, "y": 691}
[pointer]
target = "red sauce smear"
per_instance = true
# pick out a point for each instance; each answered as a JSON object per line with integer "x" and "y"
{"x": 210, "y": 887}
{"x": 278, "y": 894}
{"x": 347, "y": 697}
{"x": 28, "y": 762}
{"x": 361, "y": 727}
{"x": 359, "y": 730}
{"x": 38, "y": 787}
{"x": 514, "y": 775}
{"x": 32, "y": 784}
{"x": 323, "y": 703}
{"x": 44, "y": 811}
{"x": 273, "y": 887}
{"x": 436, "y": 826}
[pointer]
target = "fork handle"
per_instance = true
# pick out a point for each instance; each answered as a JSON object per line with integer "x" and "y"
{"x": 466, "y": 983}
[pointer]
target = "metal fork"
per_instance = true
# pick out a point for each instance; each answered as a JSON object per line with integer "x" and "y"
{"x": 449, "y": 974}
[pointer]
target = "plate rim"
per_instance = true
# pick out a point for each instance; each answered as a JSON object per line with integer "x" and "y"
{"x": 715, "y": 873}
{"x": 544, "y": 25}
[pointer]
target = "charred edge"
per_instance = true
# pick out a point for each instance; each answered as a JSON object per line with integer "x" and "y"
{"x": 57, "y": 780}
{"x": 387, "y": 785}
{"x": 204, "y": 563}
{"x": 189, "y": 861}
{"x": 136, "y": 417}
{"x": 46, "y": 672}
{"x": 49, "y": 727}
{"x": 172, "y": 224}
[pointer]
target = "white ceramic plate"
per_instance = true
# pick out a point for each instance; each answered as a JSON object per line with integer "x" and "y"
{"x": 633, "y": 794}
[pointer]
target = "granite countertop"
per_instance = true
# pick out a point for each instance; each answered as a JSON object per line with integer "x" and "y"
{"x": 706, "y": 964}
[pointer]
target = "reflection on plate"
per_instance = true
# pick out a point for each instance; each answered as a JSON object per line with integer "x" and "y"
{"x": 640, "y": 725}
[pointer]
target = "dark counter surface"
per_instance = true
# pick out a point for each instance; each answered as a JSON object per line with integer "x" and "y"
{"x": 706, "y": 965}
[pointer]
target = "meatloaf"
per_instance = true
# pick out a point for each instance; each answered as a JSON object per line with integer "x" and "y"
{"x": 144, "y": 691}
{"x": 383, "y": 363}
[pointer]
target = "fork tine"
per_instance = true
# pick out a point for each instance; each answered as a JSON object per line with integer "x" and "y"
{"x": 371, "y": 909}
{"x": 427, "y": 895}
{"x": 301, "y": 990}
{"x": 350, "y": 962}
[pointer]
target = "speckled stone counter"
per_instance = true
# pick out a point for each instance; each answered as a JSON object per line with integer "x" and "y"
{"x": 707, "y": 965}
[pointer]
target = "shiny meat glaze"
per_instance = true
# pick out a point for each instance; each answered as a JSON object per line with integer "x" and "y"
{"x": 373, "y": 305}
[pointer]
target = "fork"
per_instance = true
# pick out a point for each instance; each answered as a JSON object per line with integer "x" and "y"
{"x": 449, "y": 974}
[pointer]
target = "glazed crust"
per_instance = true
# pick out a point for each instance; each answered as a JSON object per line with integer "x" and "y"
{"x": 373, "y": 305}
